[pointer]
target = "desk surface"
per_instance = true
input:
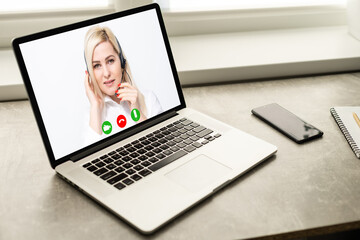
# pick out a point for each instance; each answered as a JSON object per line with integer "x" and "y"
{"x": 304, "y": 187}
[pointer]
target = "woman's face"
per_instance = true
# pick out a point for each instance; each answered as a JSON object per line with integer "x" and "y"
{"x": 106, "y": 67}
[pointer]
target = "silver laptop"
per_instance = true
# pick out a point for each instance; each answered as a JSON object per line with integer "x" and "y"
{"x": 110, "y": 110}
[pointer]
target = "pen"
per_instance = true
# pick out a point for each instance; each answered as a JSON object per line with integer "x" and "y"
{"x": 356, "y": 119}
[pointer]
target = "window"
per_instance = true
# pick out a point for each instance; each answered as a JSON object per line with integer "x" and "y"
{"x": 182, "y": 17}
{"x": 46, "y": 5}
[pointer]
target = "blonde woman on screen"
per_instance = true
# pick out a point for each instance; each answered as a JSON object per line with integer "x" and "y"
{"x": 109, "y": 84}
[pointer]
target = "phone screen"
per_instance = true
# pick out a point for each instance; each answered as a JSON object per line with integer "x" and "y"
{"x": 287, "y": 122}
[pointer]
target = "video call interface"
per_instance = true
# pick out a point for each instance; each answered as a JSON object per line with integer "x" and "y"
{"x": 93, "y": 82}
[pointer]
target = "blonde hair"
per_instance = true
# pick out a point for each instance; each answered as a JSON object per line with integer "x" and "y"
{"x": 93, "y": 38}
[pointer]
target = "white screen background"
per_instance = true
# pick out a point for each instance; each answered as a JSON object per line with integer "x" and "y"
{"x": 56, "y": 68}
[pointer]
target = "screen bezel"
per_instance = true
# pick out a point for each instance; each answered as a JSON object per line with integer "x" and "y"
{"x": 120, "y": 135}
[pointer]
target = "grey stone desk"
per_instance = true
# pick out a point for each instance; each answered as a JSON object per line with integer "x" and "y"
{"x": 305, "y": 189}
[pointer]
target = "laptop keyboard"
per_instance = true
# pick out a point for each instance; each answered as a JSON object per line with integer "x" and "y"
{"x": 138, "y": 159}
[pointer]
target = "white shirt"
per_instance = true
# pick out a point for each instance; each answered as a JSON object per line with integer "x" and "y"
{"x": 112, "y": 110}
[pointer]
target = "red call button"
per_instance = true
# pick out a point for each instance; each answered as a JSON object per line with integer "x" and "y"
{"x": 121, "y": 121}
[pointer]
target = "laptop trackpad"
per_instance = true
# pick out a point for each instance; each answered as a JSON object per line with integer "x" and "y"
{"x": 198, "y": 173}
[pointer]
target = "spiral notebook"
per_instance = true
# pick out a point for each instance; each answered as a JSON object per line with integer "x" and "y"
{"x": 348, "y": 125}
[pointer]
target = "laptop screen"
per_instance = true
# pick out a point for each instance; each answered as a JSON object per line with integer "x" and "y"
{"x": 96, "y": 81}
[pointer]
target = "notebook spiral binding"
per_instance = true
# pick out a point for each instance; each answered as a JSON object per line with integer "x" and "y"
{"x": 346, "y": 133}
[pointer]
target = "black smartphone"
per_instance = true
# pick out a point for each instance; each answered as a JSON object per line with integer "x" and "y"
{"x": 287, "y": 123}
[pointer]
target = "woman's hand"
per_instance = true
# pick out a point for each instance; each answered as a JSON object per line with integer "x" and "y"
{"x": 96, "y": 105}
{"x": 94, "y": 99}
{"x": 129, "y": 93}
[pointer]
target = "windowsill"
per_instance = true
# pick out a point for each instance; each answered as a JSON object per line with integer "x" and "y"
{"x": 216, "y": 58}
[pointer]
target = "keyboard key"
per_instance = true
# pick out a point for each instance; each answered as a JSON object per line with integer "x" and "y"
{"x": 217, "y": 135}
{"x": 130, "y": 171}
{"x": 191, "y": 133}
{"x": 127, "y": 165}
{"x": 157, "y": 150}
{"x": 167, "y": 160}
{"x": 187, "y": 141}
{"x": 108, "y": 175}
{"x": 159, "y": 136}
{"x": 174, "y": 148}
{"x": 199, "y": 129}
{"x": 128, "y": 181}
{"x": 182, "y": 131}
{"x": 135, "y": 161}
{"x": 95, "y": 161}
{"x": 204, "y": 133}
{"x": 92, "y": 168}
{"x": 194, "y": 138}
{"x": 155, "y": 144}
{"x": 146, "y": 163}
{"x": 142, "y": 138}
{"x": 126, "y": 158}
{"x": 184, "y": 136}
{"x": 183, "y": 119}
{"x": 103, "y": 157}
{"x": 211, "y": 138}
{"x": 177, "y": 140}
{"x": 164, "y": 147}
{"x": 172, "y": 129}
{"x": 179, "y": 126}
{"x": 134, "y": 155}
{"x": 144, "y": 172}
{"x": 123, "y": 153}
{"x": 149, "y": 147}
{"x": 87, "y": 165}
{"x": 118, "y": 162}
{"x": 166, "y": 132}
{"x": 100, "y": 164}
{"x": 190, "y": 148}
{"x": 153, "y": 139}
{"x": 171, "y": 143}
{"x": 176, "y": 134}
{"x": 116, "y": 156}
{"x": 149, "y": 154}
{"x": 188, "y": 127}
{"x": 120, "y": 149}
{"x": 119, "y": 169}
{"x": 169, "y": 137}
{"x": 187, "y": 122}
{"x": 153, "y": 160}
{"x": 181, "y": 145}
{"x": 111, "y": 166}
{"x": 194, "y": 125}
{"x": 141, "y": 151}
{"x": 143, "y": 158}
{"x": 167, "y": 152}
{"x": 138, "y": 167}
{"x": 119, "y": 177}
{"x": 100, "y": 171}
{"x": 138, "y": 146}
{"x": 108, "y": 160}
{"x": 131, "y": 149}
{"x": 149, "y": 135}
{"x": 197, "y": 145}
{"x": 204, "y": 142}
{"x": 160, "y": 156}
{"x": 119, "y": 186}
{"x": 135, "y": 177}
{"x": 145, "y": 142}
{"x": 112, "y": 153}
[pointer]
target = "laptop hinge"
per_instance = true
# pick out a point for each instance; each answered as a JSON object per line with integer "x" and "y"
{"x": 123, "y": 136}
